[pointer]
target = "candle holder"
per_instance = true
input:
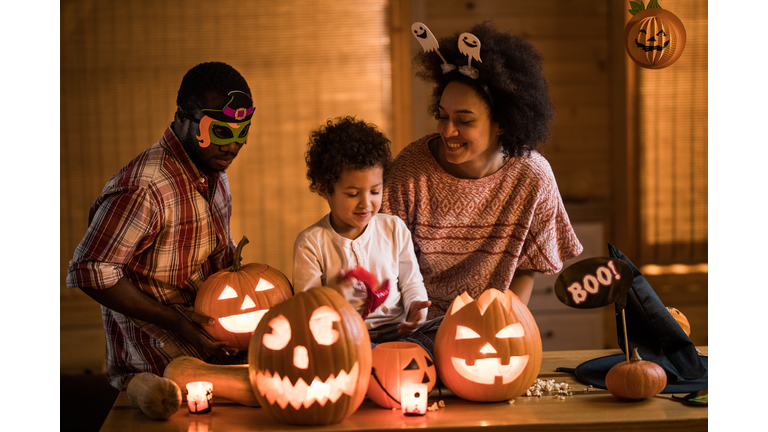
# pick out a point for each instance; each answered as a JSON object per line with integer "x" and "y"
{"x": 413, "y": 399}
{"x": 199, "y": 397}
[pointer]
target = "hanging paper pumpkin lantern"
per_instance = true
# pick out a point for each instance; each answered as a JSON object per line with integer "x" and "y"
{"x": 488, "y": 350}
{"x": 238, "y": 297}
{"x": 310, "y": 359}
{"x": 396, "y": 364}
{"x": 654, "y": 38}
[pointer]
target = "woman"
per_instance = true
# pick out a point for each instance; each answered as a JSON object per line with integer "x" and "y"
{"x": 481, "y": 202}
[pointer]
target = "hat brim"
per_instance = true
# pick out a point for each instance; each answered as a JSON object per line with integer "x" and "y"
{"x": 593, "y": 372}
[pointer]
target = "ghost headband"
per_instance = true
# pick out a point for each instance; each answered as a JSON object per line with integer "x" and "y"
{"x": 469, "y": 45}
{"x": 227, "y": 125}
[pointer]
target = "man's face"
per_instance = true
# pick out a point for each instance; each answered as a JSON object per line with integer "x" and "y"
{"x": 212, "y": 158}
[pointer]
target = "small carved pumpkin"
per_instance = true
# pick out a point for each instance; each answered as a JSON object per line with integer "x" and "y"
{"x": 238, "y": 297}
{"x": 310, "y": 359}
{"x": 488, "y": 350}
{"x": 654, "y": 38}
{"x": 396, "y": 364}
{"x": 681, "y": 320}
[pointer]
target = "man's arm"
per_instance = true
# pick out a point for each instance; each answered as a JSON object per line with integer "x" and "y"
{"x": 127, "y": 299}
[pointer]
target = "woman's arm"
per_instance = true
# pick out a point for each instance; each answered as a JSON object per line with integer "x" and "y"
{"x": 522, "y": 284}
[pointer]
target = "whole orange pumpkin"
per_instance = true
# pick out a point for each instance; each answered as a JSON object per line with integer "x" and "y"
{"x": 488, "y": 350}
{"x": 310, "y": 359}
{"x": 636, "y": 378}
{"x": 238, "y": 297}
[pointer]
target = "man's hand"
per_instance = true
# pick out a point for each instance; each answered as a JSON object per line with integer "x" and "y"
{"x": 189, "y": 328}
{"x": 417, "y": 315}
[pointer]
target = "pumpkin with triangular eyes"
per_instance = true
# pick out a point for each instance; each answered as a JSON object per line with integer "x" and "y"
{"x": 237, "y": 297}
{"x": 488, "y": 350}
{"x": 396, "y": 364}
{"x": 309, "y": 360}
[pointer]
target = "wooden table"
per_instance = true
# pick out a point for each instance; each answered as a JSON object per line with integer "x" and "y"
{"x": 593, "y": 410}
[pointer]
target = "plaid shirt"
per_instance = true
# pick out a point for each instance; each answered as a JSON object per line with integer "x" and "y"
{"x": 153, "y": 224}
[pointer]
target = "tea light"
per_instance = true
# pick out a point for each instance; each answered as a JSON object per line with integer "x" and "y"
{"x": 199, "y": 395}
{"x": 413, "y": 399}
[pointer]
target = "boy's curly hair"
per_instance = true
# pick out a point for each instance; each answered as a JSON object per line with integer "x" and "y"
{"x": 344, "y": 143}
{"x": 511, "y": 68}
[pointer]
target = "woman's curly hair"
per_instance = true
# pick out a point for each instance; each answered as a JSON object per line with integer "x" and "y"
{"x": 511, "y": 68}
{"x": 344, "y": 143}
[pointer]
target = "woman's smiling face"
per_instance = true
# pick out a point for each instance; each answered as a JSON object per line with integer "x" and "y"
{"x": 464, "y": 122}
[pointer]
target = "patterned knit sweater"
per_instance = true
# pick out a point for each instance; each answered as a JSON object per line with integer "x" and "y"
{"x": 471, "y": 234}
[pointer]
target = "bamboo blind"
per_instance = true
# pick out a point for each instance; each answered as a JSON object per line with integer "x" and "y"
{"x": 305, "y": 61}
{"x": 673, "y": 139}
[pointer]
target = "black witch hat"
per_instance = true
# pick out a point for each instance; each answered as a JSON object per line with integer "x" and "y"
{"x": 656, "y": 335}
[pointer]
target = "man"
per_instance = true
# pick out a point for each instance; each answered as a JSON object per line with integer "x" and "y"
{"x": 161, "y": 226}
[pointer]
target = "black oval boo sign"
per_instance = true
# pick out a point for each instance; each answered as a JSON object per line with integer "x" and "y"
{"x": 594, "y": 283}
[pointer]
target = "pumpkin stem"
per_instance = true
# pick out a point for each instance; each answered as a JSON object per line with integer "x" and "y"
{"x": 238, "y": 251}
{"x": 635, "y": 356}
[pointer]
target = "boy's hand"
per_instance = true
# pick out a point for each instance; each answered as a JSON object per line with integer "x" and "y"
{"x": 417, "y": 315}
{"x": 346, "y": 287}
{"x": 376, "y": 294}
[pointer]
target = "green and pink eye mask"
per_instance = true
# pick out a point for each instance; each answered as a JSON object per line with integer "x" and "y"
{"x": 227, "y": 125}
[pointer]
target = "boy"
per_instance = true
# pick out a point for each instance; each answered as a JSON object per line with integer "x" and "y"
{"x": 347, "y": 161}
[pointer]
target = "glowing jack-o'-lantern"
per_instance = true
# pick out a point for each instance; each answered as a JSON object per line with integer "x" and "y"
{"x": 396, "y": 364}
{"x": 238, "y": 297}
{"x": 488, "y": 350}
{"x": 654, "y": 38}
{"x": 310, "y": 359}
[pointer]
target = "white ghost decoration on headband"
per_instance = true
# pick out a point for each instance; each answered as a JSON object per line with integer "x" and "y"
{"x": 429, "y": 43}
{"x": 469, "y": 45}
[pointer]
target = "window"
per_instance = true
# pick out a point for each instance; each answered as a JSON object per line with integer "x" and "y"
{"x": 671, "y": 131}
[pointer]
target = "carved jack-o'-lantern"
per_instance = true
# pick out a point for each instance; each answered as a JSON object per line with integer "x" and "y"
{"x": 654, "y": 38}
{"x": 488, "y": 350}
{"x": 238, "y": 297}
{"x": 396, "y": 364}
{"x": 310, "y": 359}
{"x": 681, "y": 320}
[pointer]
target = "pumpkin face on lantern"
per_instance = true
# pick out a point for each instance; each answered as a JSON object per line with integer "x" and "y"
{"x": 310, "y": 359}
{"x": 396, "y": 364}
{"x": 238, "y": 297}
{"x": 488, "y": 350}
{"x": 654, "y": 38}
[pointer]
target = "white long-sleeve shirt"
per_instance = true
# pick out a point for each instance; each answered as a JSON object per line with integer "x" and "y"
{"x": 384, "y": 249}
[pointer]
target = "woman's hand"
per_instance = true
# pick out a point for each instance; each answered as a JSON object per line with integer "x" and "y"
{"x": 417, "y": 315}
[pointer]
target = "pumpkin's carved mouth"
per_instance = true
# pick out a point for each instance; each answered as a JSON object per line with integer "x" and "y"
{"x": 280, "y": 390}
{"x": 485, "y": 371}
{"x": 242, "y": 323}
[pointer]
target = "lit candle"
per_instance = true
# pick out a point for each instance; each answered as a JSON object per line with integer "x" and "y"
{"x": 199, "y": 395}
{"x": 413, "y": 399}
